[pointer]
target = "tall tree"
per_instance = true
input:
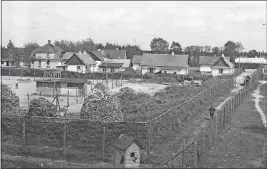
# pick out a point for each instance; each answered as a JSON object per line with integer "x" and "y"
{"x": 99, "y": 46}
{"x": 176, "y": 47}
{"x": 10, "y": 45}
{"x": 253, "y": 53}
{"x": 229, "y": 48}
{"x": 216, "y": 51}
{"x": 28, "y": 48}
{"x": 207, "y": 48}
{"x": 159, "y": 44}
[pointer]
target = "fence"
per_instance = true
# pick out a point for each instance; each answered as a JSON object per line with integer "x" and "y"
{"x": 79, "y": 140}
{"x": 192, "y": 152}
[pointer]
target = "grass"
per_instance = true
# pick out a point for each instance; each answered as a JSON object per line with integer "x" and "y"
{"x": 242, "y": 146}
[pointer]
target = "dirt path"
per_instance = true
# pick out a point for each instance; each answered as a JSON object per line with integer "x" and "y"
{"x": 244, "y": 144}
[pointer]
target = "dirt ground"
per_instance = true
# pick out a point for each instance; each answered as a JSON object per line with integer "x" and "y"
{"x": 243, "y": 145}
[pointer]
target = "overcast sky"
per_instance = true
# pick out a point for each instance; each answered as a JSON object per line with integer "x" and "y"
{"x": 189, "y": 23}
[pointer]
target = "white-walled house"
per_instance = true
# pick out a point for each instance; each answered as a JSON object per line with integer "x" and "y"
{"x": 98, "y": 56}
{"x": 136, "y": 62}
{"x": 48, "y": 56}
{"x": 81, "y": 63}
{"x": 206, "y": 62}
{"x": 164, "y": 63}
{"x": 114, "y": 65}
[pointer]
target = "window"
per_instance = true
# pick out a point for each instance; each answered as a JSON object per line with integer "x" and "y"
{"x": 104, "y": 70}
{"x": 220, "y": 71}
{"x": 112, "y": 69}
{"x": 2, "y": 62}
{"x": 151, "y": 70}
{"x": 40, "y": 62}
{"x": 47, "y": 54}
{"x": 48, "y": 62}
{"x": 47, "y": 66}
{"x": 165, "y": 72}
{"x": 78, "y": 67}
{"x": 132, "y": 154}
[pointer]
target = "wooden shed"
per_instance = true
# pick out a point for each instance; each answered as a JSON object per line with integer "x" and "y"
{"x": 127, "y": 152}
{"x": 63, "y": 87}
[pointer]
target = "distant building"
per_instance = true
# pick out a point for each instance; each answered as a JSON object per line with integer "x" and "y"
{"x": 206, "y": 62}
{"x": 164, "y": 63}
{"x": 115, "y": 54}
{"x": 98, "y": 56}
{"x": 48, "y": 56}
{"x": 80, "y": 62}
{"x": 136, "y": 62}
{"x": 114, "y": 65}
{"x": 13, "y": 57}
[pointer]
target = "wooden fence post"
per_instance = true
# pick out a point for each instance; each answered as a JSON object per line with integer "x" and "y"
{"x": 183, "y": 154}
{"x": 223, "y": 117}
{"x": 77, "y": 95}
{"x": 64, "y": 138}
{"x": 28, "y": 96}
{"x": 121, "y": 80}
{"x": 23, "y": 131}
{"x": 210, "y": 133}
{"x": 104, "y": 137}
{"x": 216, "y": 125}
{"x": 203, "y": 140}
{"x": 195, "y": 152}
{"x": 112, "y": 83}
{"x": 68, "y": 99}
{"x": 173, "y": 158}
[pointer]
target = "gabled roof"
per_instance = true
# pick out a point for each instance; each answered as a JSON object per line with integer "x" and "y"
{"x": 137, "y": 59}
{"x": 208, "y": 60}
{"x": 123, "y": 142}
{"x": 48, "y": 48}
{"x": 97, "y": 55}
{"x": 125, "y": 62}
{"x": 86, "y": 58}
{"x": 165, "y": 60}
{"x": 111, "y": 65}
{"x": 226, "y": 62}
{"x": 67, "y": 55}
{"x": 115, "y": 54}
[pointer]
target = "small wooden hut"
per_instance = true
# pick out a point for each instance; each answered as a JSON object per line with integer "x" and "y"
{"x": 62, "y": 87}
{"x": 127, "y": 152}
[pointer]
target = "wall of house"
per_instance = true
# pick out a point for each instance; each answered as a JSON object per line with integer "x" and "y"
{"x": 145, "y": 69}
{"x": 179, "y": 72}
{"x": 117, "y": 158}
{"x": 129, "y": 163}
{"x": 226, "y": 71}
{"x": 74, "y": 68}
{"x": 108, "y": 70}
{"x": 45, "y": 56}
{"x": 5, "y": 63}
{"x": 205, "y": 69}
{"x": 136, "y": 66}
{"x": 52, "y": 65}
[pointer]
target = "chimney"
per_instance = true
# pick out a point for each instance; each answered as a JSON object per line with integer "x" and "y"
{"x": 172, "y": 52}
{"x": 117, "y": 48}
{"x": 49, "y": 41}
{"x": 84, "y": 52}
{"x": 99, "y": 49}
{"x": 102, "y": 52}
{"x": 223, "y": 55}
{"x": 80, "y": 52}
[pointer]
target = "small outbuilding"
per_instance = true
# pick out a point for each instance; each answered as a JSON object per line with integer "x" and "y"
{"x": 127, "y": 152}
{"x": 61, "y": 87}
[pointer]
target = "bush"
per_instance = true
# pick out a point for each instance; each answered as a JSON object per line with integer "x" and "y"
{"x": 101, "y": 105}
{"x": 41, "y": 107}
{"x": 9, "y": 101}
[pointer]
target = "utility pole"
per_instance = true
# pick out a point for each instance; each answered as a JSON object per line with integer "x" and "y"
{"x": 106, "y": 75}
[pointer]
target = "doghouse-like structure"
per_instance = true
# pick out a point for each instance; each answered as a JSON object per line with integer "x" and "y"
{"x": 61, "y": 87}
{"x": 127, "y": 152}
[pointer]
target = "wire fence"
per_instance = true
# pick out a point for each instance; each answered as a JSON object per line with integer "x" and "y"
{"x": 192, "y": 152}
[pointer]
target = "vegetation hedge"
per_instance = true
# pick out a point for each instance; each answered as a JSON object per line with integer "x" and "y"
{"x": 9, "y": 101}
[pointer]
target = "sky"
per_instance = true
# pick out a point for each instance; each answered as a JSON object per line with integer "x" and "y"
{"x": 136, "y": 22}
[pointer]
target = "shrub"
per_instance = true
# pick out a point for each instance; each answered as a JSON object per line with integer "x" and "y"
{"x": 41, "y": 107}
{"x": 9, "y": 100}
{"x": 101, "y": 105}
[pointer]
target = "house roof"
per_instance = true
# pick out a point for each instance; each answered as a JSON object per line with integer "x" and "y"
{"x": 164, "y": 60}
{"x": 111, "y": 65}
{"x": 123, "y": 142}
{"x": 98, "y": 54}
{"x": 125, "y": 62}
{"x": 226, "y": 61}
{"x": 86, "y": 58}
{"x": 48, "y": 48}
{"x": 251, "y": 60}
{"x": 115, "y": 54}
{"x": 67, "y": 55}
{"x": 208, "y": 60}
{"x": 137, "y": 59}
{"x": 230, "y": 64}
